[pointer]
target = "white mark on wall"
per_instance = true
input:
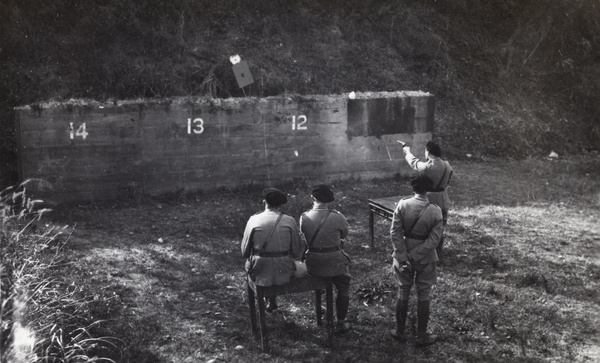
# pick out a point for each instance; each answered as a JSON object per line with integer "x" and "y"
{"x": 388, "y": 151}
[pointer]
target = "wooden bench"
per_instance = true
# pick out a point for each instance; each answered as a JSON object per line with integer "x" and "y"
{"x": 296, "y": 285}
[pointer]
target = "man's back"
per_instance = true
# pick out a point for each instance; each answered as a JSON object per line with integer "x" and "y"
{"x": 417, "y": 228}
{"x": 272, "y": 257}
{"x": 325, "y": 256}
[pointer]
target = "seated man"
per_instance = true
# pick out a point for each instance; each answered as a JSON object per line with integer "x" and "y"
{"x": 271, "y": 243}
{"x": 324, "y": 230}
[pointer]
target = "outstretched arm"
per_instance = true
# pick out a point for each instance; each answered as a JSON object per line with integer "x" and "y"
{"x": 413, "y": 161}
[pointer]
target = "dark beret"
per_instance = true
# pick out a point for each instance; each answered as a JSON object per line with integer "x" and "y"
{"x": 322, "y": 193}
{"x": 420, "y": 183}
{"x": 433, "y": 148}
{"x": 274, "y": 197}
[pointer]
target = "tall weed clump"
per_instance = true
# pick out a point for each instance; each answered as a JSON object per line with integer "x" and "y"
{"x": 42, "y": 318}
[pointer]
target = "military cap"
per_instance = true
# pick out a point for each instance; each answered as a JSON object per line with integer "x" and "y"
{"x": 420, "y": 183}
{"x": 322, "y": 193}
{"x": 274, "y": 197}
{"x": 433, "y": 148}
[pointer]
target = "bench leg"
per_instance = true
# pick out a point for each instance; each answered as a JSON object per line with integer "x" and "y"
{"x": 262, "y": 318}
{"x": 371, "y": 228}
{"x": 318, "y": 308}
{"x": 329, "y": 300}
{"x": 252, "y": 306}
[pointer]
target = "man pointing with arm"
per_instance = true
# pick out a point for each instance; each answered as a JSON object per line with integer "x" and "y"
{"x": 439, "y": 172}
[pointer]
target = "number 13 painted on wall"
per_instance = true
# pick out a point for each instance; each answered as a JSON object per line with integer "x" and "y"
{"x": 196, "y": 126}
{"x": 301, "y": 125}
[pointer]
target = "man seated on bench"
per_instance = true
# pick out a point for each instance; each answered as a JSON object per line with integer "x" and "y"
{"x": 271, "y": 243}
{"x": 324, "y": 230}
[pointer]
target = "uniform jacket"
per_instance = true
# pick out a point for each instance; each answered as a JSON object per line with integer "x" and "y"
{"x": 268, "y": 271}
{"x": 332, "y": 232}
{"x": 430, "y": 225}
{"x": 439, "y": 171}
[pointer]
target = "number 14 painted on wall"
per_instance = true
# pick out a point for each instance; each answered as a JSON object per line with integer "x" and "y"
{"x": 80, "y": 131}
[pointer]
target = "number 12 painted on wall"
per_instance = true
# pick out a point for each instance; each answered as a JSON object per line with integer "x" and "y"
{"x": 301, "y": 122}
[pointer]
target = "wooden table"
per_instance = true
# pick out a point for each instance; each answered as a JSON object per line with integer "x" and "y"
{"x": 383, "y": 207}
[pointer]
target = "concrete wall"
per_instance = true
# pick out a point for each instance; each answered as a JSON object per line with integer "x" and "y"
{"x": 153, "y": 147}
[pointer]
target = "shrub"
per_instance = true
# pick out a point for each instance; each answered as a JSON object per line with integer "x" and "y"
{"x": 42, "y": 318}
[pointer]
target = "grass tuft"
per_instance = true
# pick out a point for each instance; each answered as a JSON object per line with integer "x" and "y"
{"x": 43, "y": 319}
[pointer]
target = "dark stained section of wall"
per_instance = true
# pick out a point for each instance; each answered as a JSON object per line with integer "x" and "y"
{"x": 389, "y": 116}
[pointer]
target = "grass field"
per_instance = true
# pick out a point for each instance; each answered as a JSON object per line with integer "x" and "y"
{"x": 520, "y": 280}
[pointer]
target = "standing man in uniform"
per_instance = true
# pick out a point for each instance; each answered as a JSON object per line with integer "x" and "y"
{"x": 416, "y": 231}
{"x": 324, "y": 229}
{"x": 440, "y": 172}
{"x": 271, "y": 243}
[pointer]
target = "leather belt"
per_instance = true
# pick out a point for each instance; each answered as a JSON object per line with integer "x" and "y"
{"x": 418, "y": 237}
{"x": 324, "y": 249}
{"x": 272, "y": 254}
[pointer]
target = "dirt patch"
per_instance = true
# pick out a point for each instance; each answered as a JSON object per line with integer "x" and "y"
{"x": 520, "y": 279}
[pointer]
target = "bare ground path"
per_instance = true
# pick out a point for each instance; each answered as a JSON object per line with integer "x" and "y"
{"x": 520, "y": 280}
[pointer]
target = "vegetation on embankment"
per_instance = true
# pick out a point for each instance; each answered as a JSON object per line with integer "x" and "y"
{"x": 512, "y": 78}
{"x": 42, "y": 318}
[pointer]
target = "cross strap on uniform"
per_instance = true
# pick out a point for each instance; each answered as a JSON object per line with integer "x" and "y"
{"x": 437, "y": 188}
{"x": 266, "y": 254}
{"x": 318, "y": 229}
{"x": 408, "y": 234}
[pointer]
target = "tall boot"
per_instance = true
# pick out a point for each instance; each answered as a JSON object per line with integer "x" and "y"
{"x": 341, "y": 307}
{"x": 401, "y": 312}
{"x": 272, "y": 304}
{"x": 423, "y": 337}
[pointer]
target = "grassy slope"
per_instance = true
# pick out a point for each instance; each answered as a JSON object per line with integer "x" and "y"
{"x": 520, "y": 282}
{"x": 512, "y": 78}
